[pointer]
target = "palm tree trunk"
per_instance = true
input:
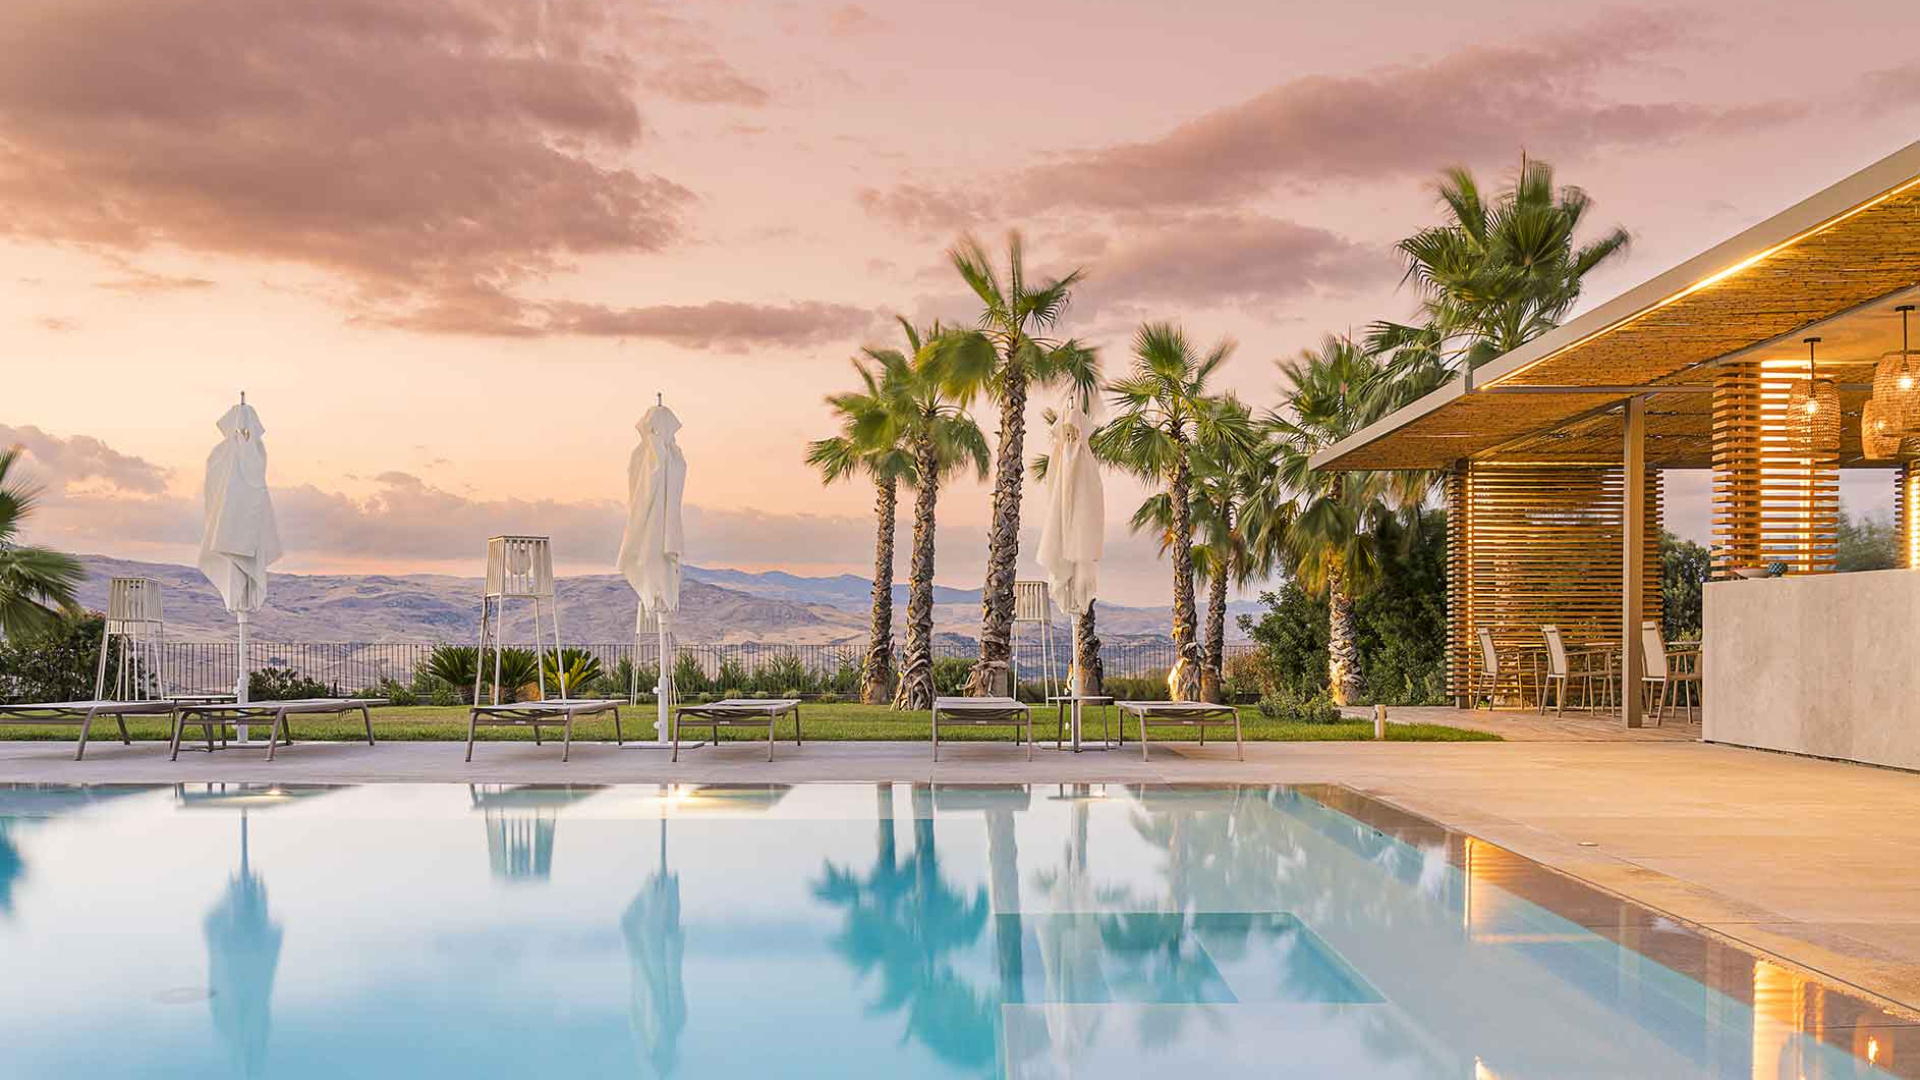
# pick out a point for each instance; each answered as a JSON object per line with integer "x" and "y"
{"x": 916, "y": 678}
{"x": 991, "y": 675}
{"x": 1213, "y": 680}
{"x": 1343, "y": 655}
{"x": 1184, "y": 680}
{"x": 1086, "y": 655}
{"x": 876, "y": 679}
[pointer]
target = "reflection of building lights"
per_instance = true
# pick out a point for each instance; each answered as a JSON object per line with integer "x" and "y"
{"x": 1873, "y": 1050}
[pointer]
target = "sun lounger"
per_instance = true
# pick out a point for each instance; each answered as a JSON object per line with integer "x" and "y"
{"x": 554, "y": 712}
{"x": 1194, "y": 714}
{"x": 214, "y": 718}
{"x": 83, "y": 713}
{"x": 981, "y": 712}
{"x": 736, "y": 711}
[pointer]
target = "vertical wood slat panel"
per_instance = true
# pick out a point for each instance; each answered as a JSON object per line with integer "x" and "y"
{"x": 1530, "y": 545}
{"x": 1772, "y": 502}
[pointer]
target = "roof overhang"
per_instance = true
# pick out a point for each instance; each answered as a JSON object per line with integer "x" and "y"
{"x": 1836, "y": 257}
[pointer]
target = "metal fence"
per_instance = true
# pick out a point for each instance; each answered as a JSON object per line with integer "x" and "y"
{"x": 353, "y": 666}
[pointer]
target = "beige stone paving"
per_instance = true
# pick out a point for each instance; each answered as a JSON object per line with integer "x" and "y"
{"x": 1817, "y": 862}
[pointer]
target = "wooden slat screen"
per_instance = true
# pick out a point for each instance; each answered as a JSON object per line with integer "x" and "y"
{"x": 1772, "y": 502}
{"x": 1531, "y": 545}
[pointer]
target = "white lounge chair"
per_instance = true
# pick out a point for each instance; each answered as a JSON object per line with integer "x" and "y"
{"x": 737, "y": 711}
{"x": 554, "y": 712}
{"x": 1193, "y": 714}
{"x": 981, "y": 712}
{"x": 216, "y": 717}
{"x": 82, "y": 713}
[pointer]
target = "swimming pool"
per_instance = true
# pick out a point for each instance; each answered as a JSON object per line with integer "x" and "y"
{"x": 852, "y": 931}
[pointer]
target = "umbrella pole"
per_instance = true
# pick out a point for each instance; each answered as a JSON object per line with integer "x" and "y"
{"x": 663, "y": 693}
{"x": 246, "y": 673}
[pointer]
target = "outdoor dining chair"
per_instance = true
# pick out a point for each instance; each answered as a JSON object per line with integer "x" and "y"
{"x": 1496, "y": 668}
{"x": 1670, "y": 672}
{"x": 1582, "y": 668}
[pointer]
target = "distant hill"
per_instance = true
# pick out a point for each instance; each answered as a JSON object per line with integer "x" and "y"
{"x": 717, "y": 606}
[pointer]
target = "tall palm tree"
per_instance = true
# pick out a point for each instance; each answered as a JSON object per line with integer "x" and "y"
{"x": 1162, "y": 409}
{"x": 1225, "y": 479}
{"x": 914, "y": 410}
{"x": 1003, "y": 358}
{"x": 36, "y": 584}
{"x": 1501, "y": 271}
{"x": 1320, "y": 525}
{"x": 887, "y": 465}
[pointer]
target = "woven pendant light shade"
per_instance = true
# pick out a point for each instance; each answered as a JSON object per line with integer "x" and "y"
{"x": 1813, "y": 411}
{"x": 1896, "y": 384}
{"x": 1878, "y": 439}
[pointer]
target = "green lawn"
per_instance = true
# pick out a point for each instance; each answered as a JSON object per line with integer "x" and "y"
{"x": 837, "y": 722}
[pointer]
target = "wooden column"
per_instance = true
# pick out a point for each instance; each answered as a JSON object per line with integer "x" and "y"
{"x": 1633, "y": 557}
{"x": 1460, "y": 644}
{"x": 1906, "y": 513}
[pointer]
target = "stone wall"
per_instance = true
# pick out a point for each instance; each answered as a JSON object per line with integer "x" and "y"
{"x": 1825, "y": 664}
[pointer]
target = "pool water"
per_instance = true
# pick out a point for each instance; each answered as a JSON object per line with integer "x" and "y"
{"x": 851, "y": 931}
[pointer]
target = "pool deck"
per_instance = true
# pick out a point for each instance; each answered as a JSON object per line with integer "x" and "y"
{"x": 1816, "y": 862}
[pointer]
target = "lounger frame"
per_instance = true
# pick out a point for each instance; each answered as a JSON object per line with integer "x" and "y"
{"x": 982, "y": 712}
{"x": 738, "y": 712}
{"x": 213, "y": 719}
{"x": 558, "y": 712}
{"x": 1193, "y": 714}
{"x": 82, "y": 714}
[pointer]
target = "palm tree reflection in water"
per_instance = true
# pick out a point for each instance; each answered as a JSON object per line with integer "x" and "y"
{"x": 904, "y": 922}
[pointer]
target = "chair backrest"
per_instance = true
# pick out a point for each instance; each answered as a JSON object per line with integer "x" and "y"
{"x": 1556, "y": 651}
{"x": 1489, "y": 656}
{"x": 1653, "y": 648}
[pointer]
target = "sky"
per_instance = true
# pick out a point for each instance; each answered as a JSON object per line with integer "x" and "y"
{"x": 452, "y": 249}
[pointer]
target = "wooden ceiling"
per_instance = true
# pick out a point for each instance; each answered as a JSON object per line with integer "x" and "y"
{"x": 1836, "y": 262}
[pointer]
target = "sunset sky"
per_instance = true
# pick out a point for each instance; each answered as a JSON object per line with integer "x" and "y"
{"x": 453, "y": 248}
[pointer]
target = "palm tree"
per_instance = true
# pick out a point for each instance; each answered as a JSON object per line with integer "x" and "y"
{"x": 36, "y": 584}
{"x": 1163, "y": 409}
{"x": 1321, "y": 524}
{"x": 887, "y": 465}
{"x": 913, "y": 410}
{"x": 1225, "y": 479}
{"x": 1499, "y": 273}
{"x": 1005, "y": 356}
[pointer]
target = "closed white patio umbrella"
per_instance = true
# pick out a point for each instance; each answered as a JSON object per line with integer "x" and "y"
{"x": 1072, "y": 516}
{"x": 241, "y": 539}
{"x": 655, "y": 539}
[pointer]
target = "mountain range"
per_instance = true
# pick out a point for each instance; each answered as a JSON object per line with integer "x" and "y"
{"x": 717, "y": 606}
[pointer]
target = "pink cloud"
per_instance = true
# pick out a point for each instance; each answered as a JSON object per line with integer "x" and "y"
{"x": 419, "y": 150}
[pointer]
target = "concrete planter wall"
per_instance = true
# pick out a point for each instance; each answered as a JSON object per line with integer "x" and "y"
{"x": 1826, "y": 664}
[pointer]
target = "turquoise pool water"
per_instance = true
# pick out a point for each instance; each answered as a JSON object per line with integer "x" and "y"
{"x": 850, "y": 931}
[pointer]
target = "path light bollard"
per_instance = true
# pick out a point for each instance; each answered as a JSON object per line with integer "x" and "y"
{"x": 1380, "y": 721}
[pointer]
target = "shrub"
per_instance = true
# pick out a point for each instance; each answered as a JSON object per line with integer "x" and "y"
{"x": 395, "y": 691}
{"x": 452, "y": 666}
{"x": 54, "y": 663}
{"x": 688, "y": 676}
{"x": 1149, "y": 687}
{"x": 731, "y": 679}
{"x": 950, "y": 674}
{"x": 1243, "y": 673}
{"x": 581, "y": 668}
{"x": 785, "y": 674}
{"x": 283, "y": 684}
{"x": 1292, "y": 707}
